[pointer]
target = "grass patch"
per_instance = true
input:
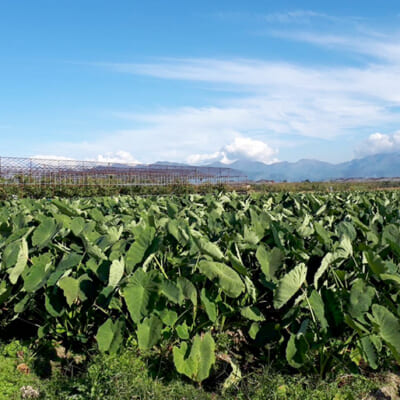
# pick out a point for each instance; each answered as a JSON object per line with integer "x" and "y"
{"x": 272, "y": 385}
{"x": 127, "y": 377}
{"x": 16, "y": 371}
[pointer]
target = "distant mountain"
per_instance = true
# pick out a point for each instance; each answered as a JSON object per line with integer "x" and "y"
{"x": 376, "y": 166}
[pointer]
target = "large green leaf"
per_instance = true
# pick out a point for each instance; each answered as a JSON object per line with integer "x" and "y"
{"x": 185, "y": 364}
{"x": 187, "y": 289}
{"x": 183, "y": 331}
{"x": 270, "y": 261}
{"x": 69, "y": 260}
{"x": 391, "y": 235}
{"x": 203, "y": 350}
{"x": 21, "y": 262}
{"x": 228, "y": 279}
{"x": 44, "y": 232}
{"x": 209, "y": 305}
{"x": 77, "y": 225}
{"x": 361, "y": 296}
{"x": 328, "y": 259}
{"x": 318, "y": 308}
{"x": 92, "y": 249}
{"x": 393, "y": 278}
{"x": 209, "y": 248}
{"x": 22, "y": 305}
{"x": 10, "y": 254}
{"x": 306, "y": 229}
{"x": 137, "y": 294}
{"x": 5, "y": 291}
{"x": 70, "y": 287}
{"x": 345, "y": 248}
{"x": 346, "y": 228}
{"x": 143, "y": 236}
{"x": 109, "y": 336}
{"x": 149, "y": 332}
{"x": 171, "y": 291}
{"x": 322, "y": 233}
{"x": 54, "y": 302}
{"x": 296, "y": 350}
{"x": 289, "y": 284}
{"x": 117, "y": 269}
{"x": 237, "y": 264}
{"x": 176, "y": 230}
{"x": 66, "y": 207}
{"x": 375, "y": 262}
{"x": 369, "y": 352}
{"x": 252, "y": 313}
{"x": 198, "y": 363}
{"x": 168, "y": 317}
{"x": 250, "y": 236}
{"x": 388, "y": 327}
{"x": 37, "y": 274}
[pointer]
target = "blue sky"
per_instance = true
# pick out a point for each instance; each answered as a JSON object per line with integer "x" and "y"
{"x": 201, "y": 81}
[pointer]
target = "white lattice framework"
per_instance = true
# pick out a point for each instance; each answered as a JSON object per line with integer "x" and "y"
{"x": 33, "y": 171}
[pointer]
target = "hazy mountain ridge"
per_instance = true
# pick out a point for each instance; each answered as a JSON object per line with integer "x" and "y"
{"x": 386, "y": 165}
{"x": 376, "y": 166}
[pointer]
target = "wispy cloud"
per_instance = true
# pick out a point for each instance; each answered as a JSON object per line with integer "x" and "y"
{"x": 367, "y": 43}
{"x": 281, "y": 98}
{"x": 296, "y": 16}
{"x": 373, "y": 80}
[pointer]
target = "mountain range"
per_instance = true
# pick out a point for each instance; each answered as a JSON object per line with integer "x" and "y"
{"x": 385, "y": 165}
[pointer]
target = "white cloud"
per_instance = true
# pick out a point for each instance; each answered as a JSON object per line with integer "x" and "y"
{"x": 123, "y": 157}
{"x": 379, "y": 143}
{"x": 241, "y": 148}
{"x": 246, "y": 148}
{"x": 202, "y": 159}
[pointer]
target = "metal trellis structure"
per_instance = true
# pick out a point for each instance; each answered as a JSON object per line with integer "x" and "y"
{"x": 34, "y": 171}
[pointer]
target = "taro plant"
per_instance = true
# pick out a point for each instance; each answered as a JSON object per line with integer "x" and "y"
{"x": 312, "y": 279}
